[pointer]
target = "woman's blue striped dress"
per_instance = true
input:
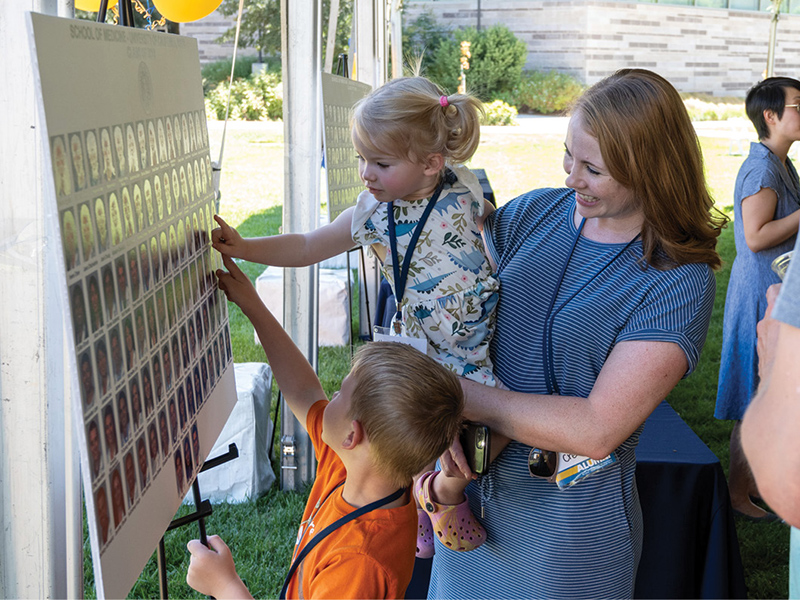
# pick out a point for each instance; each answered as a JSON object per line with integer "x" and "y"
{"x": 584, "y": 541}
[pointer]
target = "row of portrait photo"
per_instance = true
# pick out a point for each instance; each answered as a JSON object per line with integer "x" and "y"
{"x": 136, "y": 210}
{"x": 138, "y": 474}
{"x": 151, "y": 417}
{"x": 86, "y": 159}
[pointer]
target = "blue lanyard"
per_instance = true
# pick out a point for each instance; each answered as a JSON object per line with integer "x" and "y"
{"x": 400, "y": 277}
{"x": 547, "y": 338}
{"x": 333, "y": 527}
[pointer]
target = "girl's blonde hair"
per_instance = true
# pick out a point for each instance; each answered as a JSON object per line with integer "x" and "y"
{"x": 411, "y": 118}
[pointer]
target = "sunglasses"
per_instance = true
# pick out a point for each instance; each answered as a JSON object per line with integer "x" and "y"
{"x": 794, "y": 106}
{"x": 542, "y": 463}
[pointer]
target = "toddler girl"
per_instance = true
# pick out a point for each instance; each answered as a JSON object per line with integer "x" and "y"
{"x": 422, "y": 213}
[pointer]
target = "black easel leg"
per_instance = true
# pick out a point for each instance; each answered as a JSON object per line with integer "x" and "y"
{"x": 101, "y": 12}
{"x": 201, "y": 522}
{"x": 162, "y": 570}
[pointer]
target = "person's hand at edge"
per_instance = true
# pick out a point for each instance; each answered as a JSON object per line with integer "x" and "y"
{"x": 212, "y": 572}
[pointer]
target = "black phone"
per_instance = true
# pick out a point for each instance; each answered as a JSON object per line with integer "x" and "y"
{"x": 475, "y": 442}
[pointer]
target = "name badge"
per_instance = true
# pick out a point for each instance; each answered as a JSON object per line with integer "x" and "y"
{"x": 388, "y": 334}
{"x": 573, "y": 467}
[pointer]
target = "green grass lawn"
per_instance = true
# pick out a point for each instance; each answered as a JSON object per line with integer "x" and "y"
{"x": 261, "y": 533}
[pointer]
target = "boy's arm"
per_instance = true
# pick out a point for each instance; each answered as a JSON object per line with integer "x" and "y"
{"x": 212, "y": 572}
{"x": 287, "y": 250}
{"x": 295, "y": 377}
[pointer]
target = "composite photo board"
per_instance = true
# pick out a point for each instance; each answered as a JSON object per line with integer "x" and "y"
{"x": 130, "y": 204}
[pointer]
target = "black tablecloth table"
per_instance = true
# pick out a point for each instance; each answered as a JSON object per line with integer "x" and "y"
{"x": 690, "y": 544}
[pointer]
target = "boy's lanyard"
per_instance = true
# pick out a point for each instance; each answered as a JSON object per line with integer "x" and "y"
{"x": 332, "y": 527}
{"x": 400, "y": 277}
{"x": 547, "y": 338}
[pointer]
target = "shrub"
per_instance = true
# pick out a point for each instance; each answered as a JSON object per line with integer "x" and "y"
{"x": 499, "y": 113}
{"x": 256, "y": 98}
{"x": 216, "y": 72}
{"x": 702, "y": 110}
{"x": 495, "y": 65}
{"x": 546, "y": 93}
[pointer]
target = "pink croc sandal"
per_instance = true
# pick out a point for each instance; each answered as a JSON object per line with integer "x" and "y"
{"x": 425, "y": 547}
{"x": 454, "y": 525}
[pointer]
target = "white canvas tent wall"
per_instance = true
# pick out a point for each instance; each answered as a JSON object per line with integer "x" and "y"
{"x": 40, "y": 501}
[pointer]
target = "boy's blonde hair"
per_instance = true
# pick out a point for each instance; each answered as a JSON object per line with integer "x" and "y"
{"x": 411, "y": 118}
{"x": 409, "y": 405}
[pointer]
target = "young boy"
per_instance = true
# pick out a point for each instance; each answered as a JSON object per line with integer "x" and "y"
{"x": 397, "y": 410}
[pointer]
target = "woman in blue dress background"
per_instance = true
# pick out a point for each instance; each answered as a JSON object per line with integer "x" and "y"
{"x": 766, "y": 217}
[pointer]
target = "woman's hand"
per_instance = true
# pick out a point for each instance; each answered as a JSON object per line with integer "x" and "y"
{"x": 454, "y": 462}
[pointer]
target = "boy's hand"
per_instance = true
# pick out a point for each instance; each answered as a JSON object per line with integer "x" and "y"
{"x": 212, "y": 572}
{"x": 237, "y": 286}
{"x": 226, "y": 240}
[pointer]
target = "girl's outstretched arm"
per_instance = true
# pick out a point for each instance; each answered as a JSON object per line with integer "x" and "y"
{"x": 286, "y": 250}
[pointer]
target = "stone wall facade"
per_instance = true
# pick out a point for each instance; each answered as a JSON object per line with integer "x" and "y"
{"x": 701, "y": 50}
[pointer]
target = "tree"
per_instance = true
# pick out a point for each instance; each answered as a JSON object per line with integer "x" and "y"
{"x": 261, "y": 25}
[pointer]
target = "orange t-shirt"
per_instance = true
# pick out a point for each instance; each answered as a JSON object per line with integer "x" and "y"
{"x": 369, "y": 557}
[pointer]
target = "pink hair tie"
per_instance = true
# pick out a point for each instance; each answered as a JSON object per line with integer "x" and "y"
{"x": 443, "y": 101}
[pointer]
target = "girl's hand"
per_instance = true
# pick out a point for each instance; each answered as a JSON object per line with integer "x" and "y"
{"x": 226, "y": 240}
{"x": 237, "y": 286}
{"x": 212, "y": 572}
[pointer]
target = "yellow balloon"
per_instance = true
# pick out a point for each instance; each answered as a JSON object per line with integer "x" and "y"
{"x": 183, "y": 11}
{"x": 93, "y": 5}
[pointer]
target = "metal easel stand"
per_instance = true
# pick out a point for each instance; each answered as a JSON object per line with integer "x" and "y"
{"x": 202, "y": 510}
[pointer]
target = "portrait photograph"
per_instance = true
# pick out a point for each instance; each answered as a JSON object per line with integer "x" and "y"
{"x": 142, "y": 341}
{"x": 150, "y": 208}
{"x": 136, "y": 402}
{"x": 115, "y": 217}
{"x": 155, "y": 260}
{"x": 62, "y": 171}
{"x": 101, "y": 220}
{"x": 130, "y": 478}
{"x": 79, "y": 321}
{"x": 103, "y": 367}
{"x": 172, "y": 411}
{"x": 176, "y": 132}
{"x": 159, "y": 197}
{"x": 187, "y": 146}
{"x": 163, "y": 431}
{"x": 110, "y": 430}
{"x": 167, "y": 194}
{"x": 130, "y": 343}
{"x": 132, "y": 151}
{"x": 152, "y": 444}
{"x": 117, "y": 498}
{"x": 162, "y": 141}
{"x": 133, "y": 270}
{"x": 69, "y": 239}
{"x": 101, "y": 509}
{"x": 167, "y": 360}
{"x": 158, "y": 379}
{"x": 124, "y": 416}
{"x": 147, "y": 391}
{"x": 95, "y": 303}
{"x": 78, "y": 161}
{"x": 115, "y": 343}
{"x": 170, "y": 140}
{"x": 95, "y": 450}
{"x": 127, "y": 213}
{"x": 196, "y": 445}
{"x": 122, "y": 282}
{"x": 86, "y": 369}
{"x": 87, "y": 231}
{"x": 187, "y": 458}
{"x": 182, "y": 406}
{"x": 152, "y": 145}
{"x": 177, "y": 193}
{"x": 180, "y": 479}
{"x": 109, "y": 166}
{"x": 164, "y": 249}
{"x": 141, "y": 136}
{"x": 93, "y": 154}
{"x": 119, "y": 150}
{"x": 138, "y": 207}
{"x": 141, "y": 459}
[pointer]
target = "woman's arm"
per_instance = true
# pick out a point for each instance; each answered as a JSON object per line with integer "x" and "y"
{"x": 761, "y": 229}
{"x": 636, "y": 376}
